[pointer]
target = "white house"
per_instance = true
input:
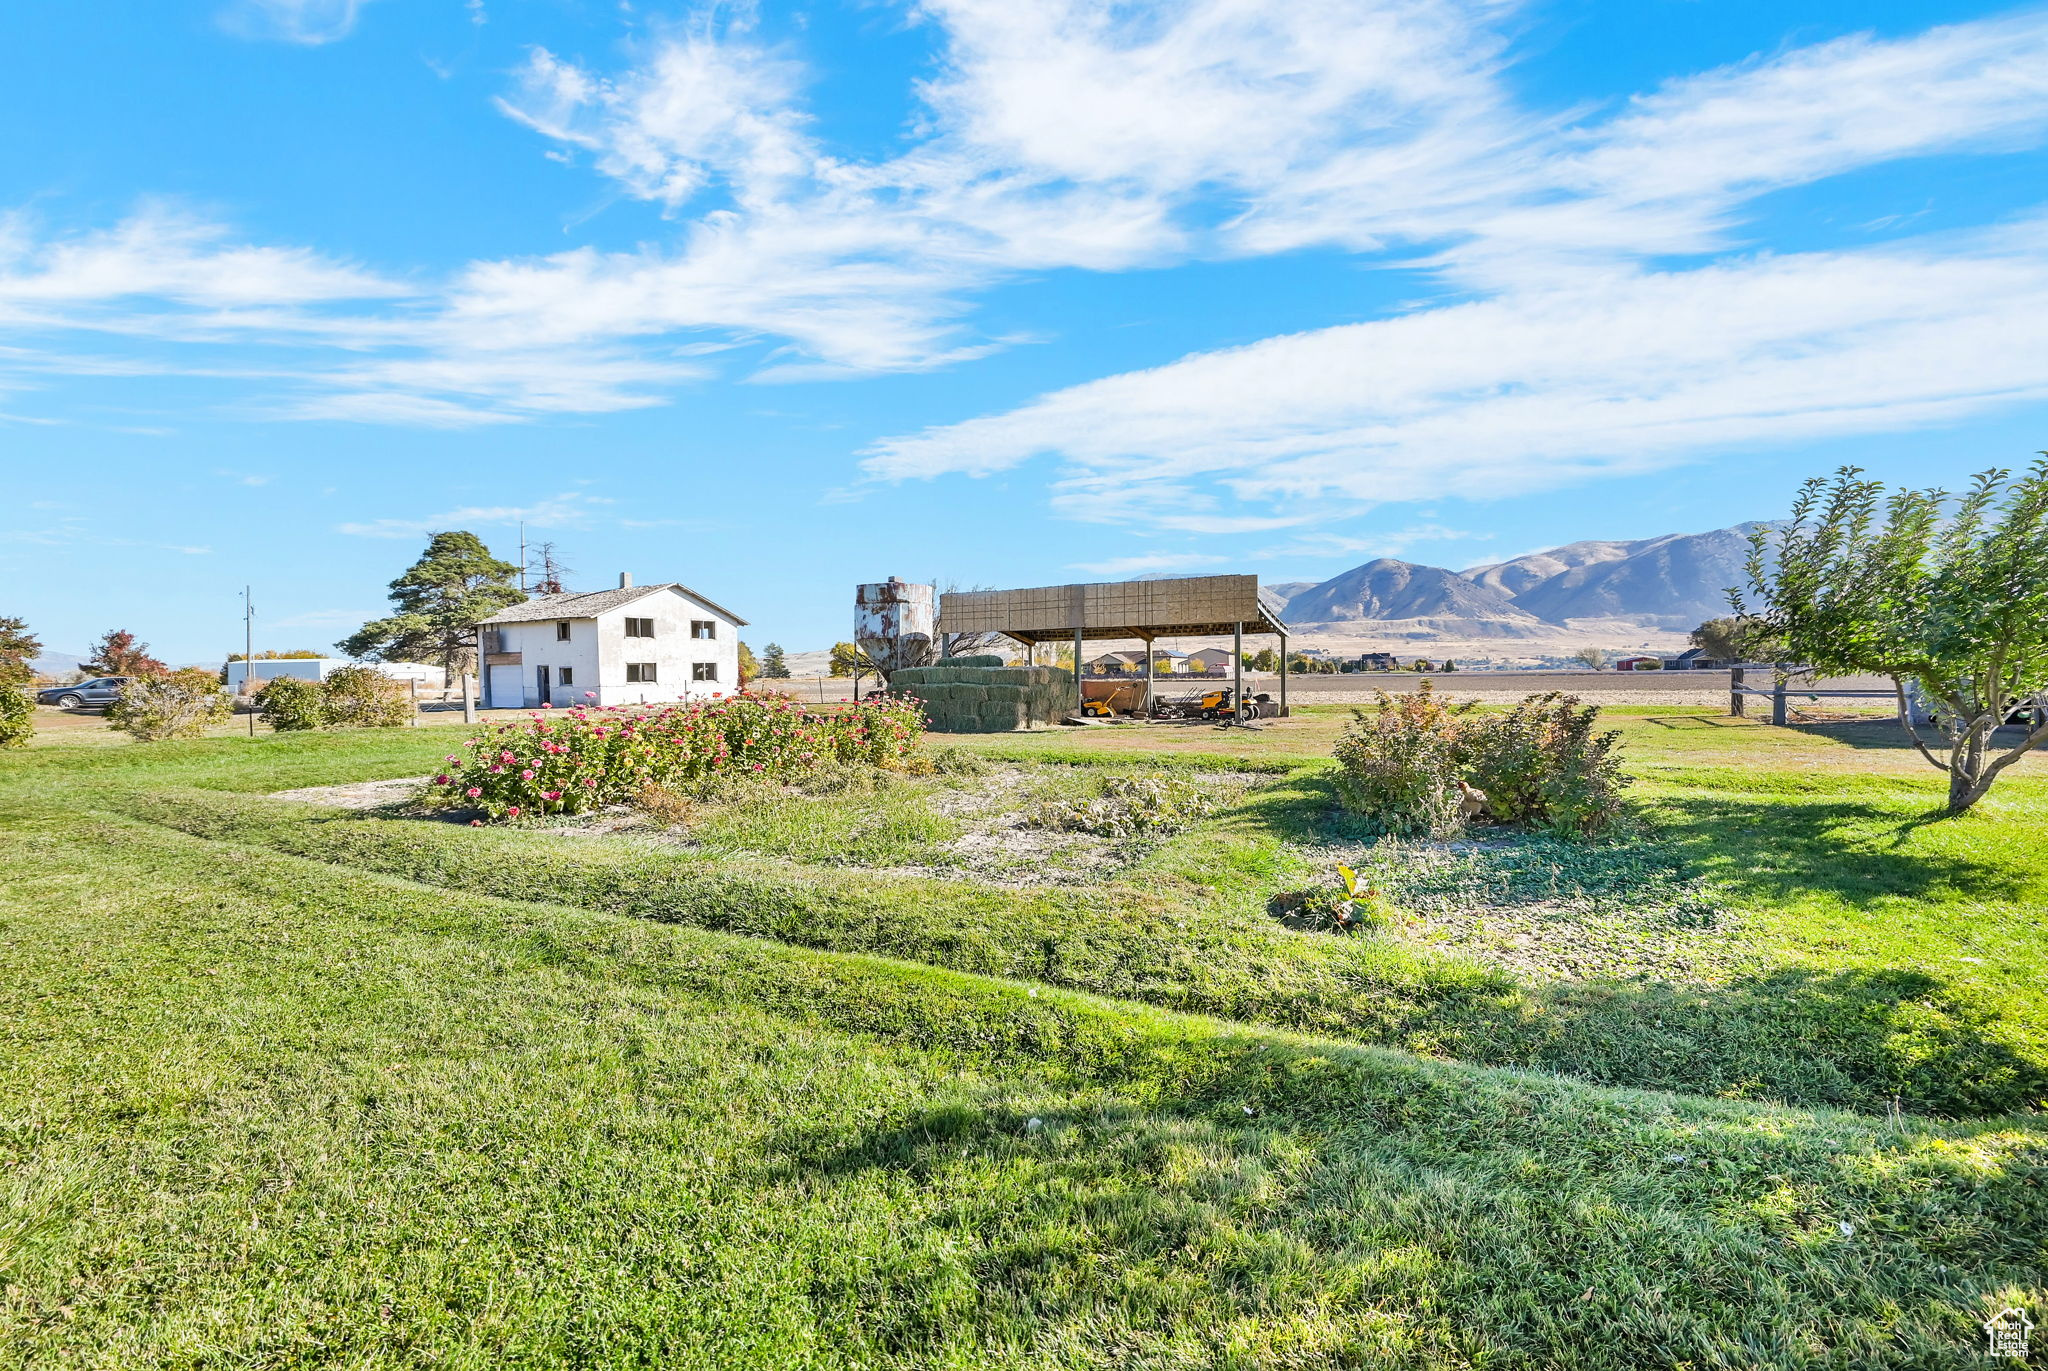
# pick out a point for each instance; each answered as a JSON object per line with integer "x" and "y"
{"x": 634, "y": 645}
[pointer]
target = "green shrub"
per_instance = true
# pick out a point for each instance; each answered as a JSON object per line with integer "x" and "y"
{"x": 291, "y": 704}
{"x": 1417, "y": 766}
{"x": 177, "y": 704}
{"x": 363, "y": 697}
{"x": 1399, "y": 765}
{"x": 1542, "y": 765}
{"x": 17, "y": 717}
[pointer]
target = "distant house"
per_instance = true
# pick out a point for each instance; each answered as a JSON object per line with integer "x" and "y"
{"x": 1375, "y": 661}
{"x": 1210, "y": 661}
{"x": 1133, "y": 664}
{"x": 634, "y": 645}
{"x": 1640, "y": 664}
{"x": 320, "y": 668}
{"x": 1692, "y": 659}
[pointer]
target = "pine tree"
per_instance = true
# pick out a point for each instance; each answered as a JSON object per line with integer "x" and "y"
{"x": 773, "y": 667}
{"x": 439, "y": 599}
{"x": 118, "y": 654}
{"x": 17, "y": 648}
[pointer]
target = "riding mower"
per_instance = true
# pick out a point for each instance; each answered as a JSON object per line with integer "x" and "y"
{"x": 1219, "y": 703}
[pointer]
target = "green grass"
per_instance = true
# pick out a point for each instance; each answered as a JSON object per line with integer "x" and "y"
{"x": 293, "y": 1090}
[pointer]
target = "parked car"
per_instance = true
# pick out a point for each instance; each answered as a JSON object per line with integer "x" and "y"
{"x": 97, "y": 693}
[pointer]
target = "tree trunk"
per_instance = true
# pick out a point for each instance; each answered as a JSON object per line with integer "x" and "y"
{"x": 1966, "y": 779}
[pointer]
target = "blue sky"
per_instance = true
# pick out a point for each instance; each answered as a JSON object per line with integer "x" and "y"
{"x": 774, "y": 299}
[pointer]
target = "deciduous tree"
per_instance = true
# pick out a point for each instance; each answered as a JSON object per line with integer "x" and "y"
{"x": 439, "y": 599}
{"x": 118, "y": 654}
{"x": 18, "y": 647}
{"x": 1946, "y": 593}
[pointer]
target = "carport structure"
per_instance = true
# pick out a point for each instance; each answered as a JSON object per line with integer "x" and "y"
{"x": 1188, "y": 607}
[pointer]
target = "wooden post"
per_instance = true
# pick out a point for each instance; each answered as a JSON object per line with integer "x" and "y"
{"x": 1237, "y": 666}
{"x": 468, "y": 698}
{"x": 1079, "y": 699}
{"x": 1150, "y": 674}
{"x": 1283, "y": 675}
{"x": 414, "y": 686}
{"x": 1778, "y": 700}
{"x": 1738, "y": 703}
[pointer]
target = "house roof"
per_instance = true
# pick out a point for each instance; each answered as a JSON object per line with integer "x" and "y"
{"x": 591, "y": 603}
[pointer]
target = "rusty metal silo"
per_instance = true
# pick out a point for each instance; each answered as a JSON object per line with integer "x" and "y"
{"x": 895, "y": 622}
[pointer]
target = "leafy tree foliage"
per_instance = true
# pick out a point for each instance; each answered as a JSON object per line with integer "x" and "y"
{"x": 17, "y": 715}
{"x": 118, "y": 654}
{"x": 773, "y": 667}
{"x": 439, "y": 599}
{"x": 290, "y": 704}
{"x": 1594, "y": 657}
{"x": 1946, "y": 593}
{"x": 18, "y": 647}
{"x": 750, "y": 666}
{"x": 849, "y": 660}
{"x": 1732, "y": 639}
{"x": 300, "y": 655}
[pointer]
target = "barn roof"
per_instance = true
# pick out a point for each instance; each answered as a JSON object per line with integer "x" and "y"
{"x": 1181, "y": 607}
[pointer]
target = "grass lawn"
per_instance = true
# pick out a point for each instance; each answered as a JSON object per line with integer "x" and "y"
{"x": 292, "y": 1086}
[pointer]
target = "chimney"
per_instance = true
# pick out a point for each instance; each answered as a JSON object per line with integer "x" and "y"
{"x": 625, "y": 580}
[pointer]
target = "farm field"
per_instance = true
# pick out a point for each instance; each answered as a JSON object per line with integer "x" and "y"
{"x": 882, "y": 1078}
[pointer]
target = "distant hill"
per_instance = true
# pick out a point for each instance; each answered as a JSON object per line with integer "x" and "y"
{"x": 1671, "y": 582}
{"x": 56, "y": 663}
{"x": 1388, "y": 589}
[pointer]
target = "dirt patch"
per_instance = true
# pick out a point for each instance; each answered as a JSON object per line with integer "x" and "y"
{"x": 357, "y": 794}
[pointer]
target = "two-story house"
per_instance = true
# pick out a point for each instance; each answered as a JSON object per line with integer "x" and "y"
{"x": 633, "y": 645}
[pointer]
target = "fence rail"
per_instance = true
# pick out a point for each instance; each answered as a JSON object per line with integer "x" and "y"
{"x": 1781, "y": 691}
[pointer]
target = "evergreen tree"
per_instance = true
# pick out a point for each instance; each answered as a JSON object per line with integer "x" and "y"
{"x": 118, "y": 654}
{"x": 773, "y": 668}
{"x": 17, "y": 648}
{"x": 439, "y": 599}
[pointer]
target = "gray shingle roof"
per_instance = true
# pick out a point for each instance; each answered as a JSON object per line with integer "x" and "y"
{"x": 590, "y": 603}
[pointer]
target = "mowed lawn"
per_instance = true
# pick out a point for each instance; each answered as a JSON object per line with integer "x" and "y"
{"x": 292, "y": 1089}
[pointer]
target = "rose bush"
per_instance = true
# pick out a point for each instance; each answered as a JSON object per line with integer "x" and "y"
{"x": 571, "y": 761}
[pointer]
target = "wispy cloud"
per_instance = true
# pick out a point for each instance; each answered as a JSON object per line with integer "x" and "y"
{"x": 569, "y": 510}
{"x": 69, "y": 534}
{"x": 1390, "y": 544}
{"x": 1139, "y": 563}
{"x": 324, "y": 619}
{"x": 1624, "y": 371}
{"x": 242, "y": 478}
{"x": 309, "y": 22}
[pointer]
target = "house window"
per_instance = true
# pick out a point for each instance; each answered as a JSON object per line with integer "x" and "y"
{"x": 639, "y": 628}
{"x": 562, "y": 631}
{"x": 703, "y": 628}
{"x": 704, "y": 671}
{"x": 641, "y": 673}
{"x": 565, "y": 675}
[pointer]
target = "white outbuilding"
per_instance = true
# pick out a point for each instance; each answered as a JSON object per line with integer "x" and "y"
{"x": 634, "y": 645}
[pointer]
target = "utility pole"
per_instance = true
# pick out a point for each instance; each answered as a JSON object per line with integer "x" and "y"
{"x": 249, "y": 654}
{"x": 522, "y": 556}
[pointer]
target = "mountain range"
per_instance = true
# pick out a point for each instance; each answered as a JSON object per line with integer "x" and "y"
{"x": 1672, "y": 582}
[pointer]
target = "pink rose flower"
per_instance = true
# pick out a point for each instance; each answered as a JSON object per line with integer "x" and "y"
{"x": 526, "y": 775}
{"x": 441, "y": 779}
{"x": 551, "y": 794}
{"x": 513, "y": 812}
{"x": 476, "y": 823}
{"x": 472, "y": 792}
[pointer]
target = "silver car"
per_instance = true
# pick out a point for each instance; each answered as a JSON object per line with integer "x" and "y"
{"x": 97, "y": 693}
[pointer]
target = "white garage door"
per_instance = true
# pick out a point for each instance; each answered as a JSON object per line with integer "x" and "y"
{"x": 508, "y": 687}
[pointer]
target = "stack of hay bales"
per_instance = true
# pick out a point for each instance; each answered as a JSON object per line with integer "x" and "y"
{"x": 981, "y": 695}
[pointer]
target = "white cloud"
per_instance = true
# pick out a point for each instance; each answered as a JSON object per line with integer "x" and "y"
{"x": 570, "y": 510}
{"x": 310, "y": 22}
{"x": 1391, "y": 544}
{"x": 1139, "y": 563}
{"x": 1623, "y": 372}
{"x": 1096, "y": 135}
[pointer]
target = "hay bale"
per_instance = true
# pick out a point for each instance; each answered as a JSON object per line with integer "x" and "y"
{"x": 974, "y": 659}
{"x": 1009, "y": 694}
